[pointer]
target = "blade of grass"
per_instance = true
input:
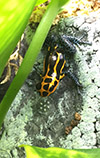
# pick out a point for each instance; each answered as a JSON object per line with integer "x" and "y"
{"x": 14, "y": 17}
{"x": 30, "y": 56}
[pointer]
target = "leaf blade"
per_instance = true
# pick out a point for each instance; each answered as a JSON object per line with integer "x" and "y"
{"x": 14, "y": 16}
{"x": 55, "y": 152}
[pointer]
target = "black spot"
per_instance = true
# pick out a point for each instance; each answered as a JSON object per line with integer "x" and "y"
{"x": 50, "y": 71}
{"x": 45, "y": 94}
{"x": 38, "y": 86}
{"x": 48, "y": 80}
{"x": 55, "y": 83}
{"x": 58, "y": 76}
{"x": 59, "y": 66}
{"x": 51, "y": 88}
{"x": 46, "y": 86}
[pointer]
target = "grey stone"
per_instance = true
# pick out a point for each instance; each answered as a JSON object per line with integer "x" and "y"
{"x": 38, "y": 121}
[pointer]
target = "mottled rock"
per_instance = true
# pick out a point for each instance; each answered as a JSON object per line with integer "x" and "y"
{"x": 38, "y": 121}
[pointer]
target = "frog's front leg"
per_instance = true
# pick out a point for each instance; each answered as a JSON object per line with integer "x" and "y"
{"x": 69, "y": 43}
{"x": 69, "y": 74}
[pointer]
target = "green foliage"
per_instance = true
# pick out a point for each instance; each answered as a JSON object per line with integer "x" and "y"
{"x": 54, "y": 152}
{"x": 14, "y": 16}
{"x": 62, "y": 2}
{"x": 40, "y": 2}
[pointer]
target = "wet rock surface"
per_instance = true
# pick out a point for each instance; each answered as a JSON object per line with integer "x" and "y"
{"x": 38, "y": 121}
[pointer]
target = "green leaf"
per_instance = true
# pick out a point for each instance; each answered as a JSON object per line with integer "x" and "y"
{"x": 40, "y": 2}
{"x": 63, "y": 2}
{"x": 14, "y": 15}
{"x": 53, "y": 152}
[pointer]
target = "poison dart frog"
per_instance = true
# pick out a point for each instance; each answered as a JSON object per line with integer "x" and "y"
{"x": 55, "y": 66}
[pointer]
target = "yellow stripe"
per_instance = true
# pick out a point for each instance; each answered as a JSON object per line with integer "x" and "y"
{"x": 58, "y": 59}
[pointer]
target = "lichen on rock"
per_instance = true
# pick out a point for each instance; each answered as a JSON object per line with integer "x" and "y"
{"x": 41, "y": 121}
